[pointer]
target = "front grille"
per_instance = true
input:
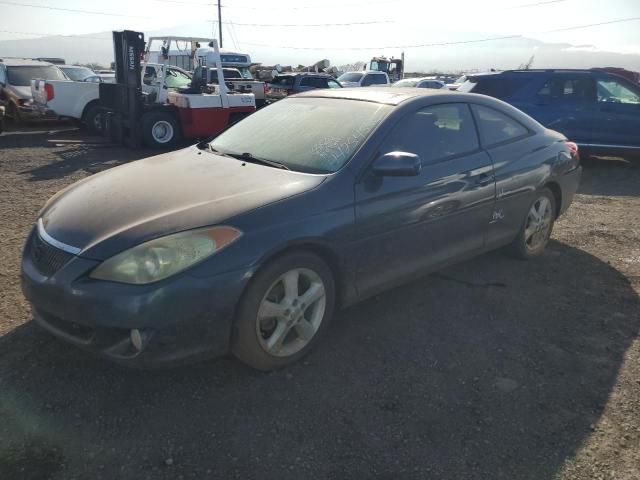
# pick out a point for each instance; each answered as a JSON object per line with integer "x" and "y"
{"x": 47, "y": 258}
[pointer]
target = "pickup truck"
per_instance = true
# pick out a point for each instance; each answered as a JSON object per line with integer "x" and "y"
{"x": 233, "y": 78}
{"x": 81, "y": 100}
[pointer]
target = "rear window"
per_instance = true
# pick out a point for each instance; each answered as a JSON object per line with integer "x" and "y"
{"x": 350, "y": 77}
{"x": 77, "y": 73}
{"x": 497, "y": 86}
{"x": 283, "y": 81}
{"x": 20, "y": 76}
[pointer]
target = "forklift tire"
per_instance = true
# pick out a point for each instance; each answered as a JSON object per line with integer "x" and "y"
{"x": 160, "y": 130}
{"x": 93, "y": 119}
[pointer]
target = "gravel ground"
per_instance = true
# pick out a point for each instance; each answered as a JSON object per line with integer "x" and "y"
{"x": 492, "y": 369}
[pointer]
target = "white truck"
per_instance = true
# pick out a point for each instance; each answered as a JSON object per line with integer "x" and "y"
{"x": 205, "y": 56}
{"x": 81, "y": 100}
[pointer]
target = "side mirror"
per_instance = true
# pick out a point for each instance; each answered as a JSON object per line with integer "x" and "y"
{"x": 397, "y": 164}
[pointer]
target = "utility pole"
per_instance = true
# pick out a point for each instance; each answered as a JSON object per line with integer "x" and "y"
{"x": 220, "y": 22}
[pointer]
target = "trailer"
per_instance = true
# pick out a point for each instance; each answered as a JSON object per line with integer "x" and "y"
{"x": 160, "y": 118}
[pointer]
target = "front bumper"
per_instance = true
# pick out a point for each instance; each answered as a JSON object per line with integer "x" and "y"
{"x": 180, "y": 319}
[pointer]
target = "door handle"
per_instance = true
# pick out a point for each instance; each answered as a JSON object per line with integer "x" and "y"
{"x": 485, "y": 179}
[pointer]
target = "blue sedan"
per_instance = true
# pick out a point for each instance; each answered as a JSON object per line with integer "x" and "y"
{"x": 249, "y": 243}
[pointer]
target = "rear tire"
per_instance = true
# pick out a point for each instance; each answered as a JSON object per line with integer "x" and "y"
{"x": 93, "y": 119}
{"x": 536, "y": 227}
{"x": 14, "y": 114}
{"x": 160, "y": 130}
{"x": 284, "y": 311}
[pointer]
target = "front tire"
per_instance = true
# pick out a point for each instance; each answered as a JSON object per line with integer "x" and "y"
{"x": 160, "y": 130}
{"x": 284, "y": 311}
{"x": 537, "y": 226}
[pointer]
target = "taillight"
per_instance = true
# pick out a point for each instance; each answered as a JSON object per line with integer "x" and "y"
{"x": 573, "y": 148}
{"x": 265, "y": 88}
{"x": 48, "y": 89}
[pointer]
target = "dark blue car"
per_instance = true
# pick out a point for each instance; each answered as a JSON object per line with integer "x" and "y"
{"x": 600, "y": 111}
{"x": 250, "y": 243}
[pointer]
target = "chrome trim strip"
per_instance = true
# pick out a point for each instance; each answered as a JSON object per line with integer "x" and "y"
{"x": 606, "y": 146}
{"x": 52, "y": 241}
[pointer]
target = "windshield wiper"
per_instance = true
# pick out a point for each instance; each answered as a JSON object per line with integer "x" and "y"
{"x": 247, "y": 157}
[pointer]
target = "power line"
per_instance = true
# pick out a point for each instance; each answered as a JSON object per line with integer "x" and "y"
{"x": 89, "y": 12}
{"x": 346, "y": 24}
{"x": 95, "y": 12}
{"x": 461, "y": 42}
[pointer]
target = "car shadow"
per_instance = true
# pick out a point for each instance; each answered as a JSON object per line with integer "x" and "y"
{"x": 78, "y": 152}
{"x": 495, "y": 368}
{"x": 610, "y": 176}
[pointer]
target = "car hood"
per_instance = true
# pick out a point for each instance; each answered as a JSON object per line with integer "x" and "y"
{"x": 122, "y": 207}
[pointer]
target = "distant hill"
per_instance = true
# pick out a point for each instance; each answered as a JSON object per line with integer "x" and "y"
{"x": 502, "y": 54}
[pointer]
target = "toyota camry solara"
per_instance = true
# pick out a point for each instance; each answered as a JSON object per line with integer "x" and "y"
{"x": 250, "y": 243}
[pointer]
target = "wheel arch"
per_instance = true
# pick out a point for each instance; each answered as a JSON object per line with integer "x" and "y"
{"x": 325, "y": 252}
{"x": 554, "y": 187}
{"x": 87, "y": 107}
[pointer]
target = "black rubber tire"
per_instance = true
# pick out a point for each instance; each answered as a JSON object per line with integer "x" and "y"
{"x": 92, "y": 119}
{"x": 14, "y": 114}
{"x": 149, "y": 119}
{"x": 518, "y": 247}
{"x": 244, "y": 340}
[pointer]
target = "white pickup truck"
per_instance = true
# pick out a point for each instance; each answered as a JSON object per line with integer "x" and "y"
{"x": 81, "y": 100}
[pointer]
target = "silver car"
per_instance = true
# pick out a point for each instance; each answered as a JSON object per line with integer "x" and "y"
{"x": 15, "y": 86}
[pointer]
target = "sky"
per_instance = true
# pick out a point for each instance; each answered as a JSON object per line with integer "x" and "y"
{"x": 346, "y": 31}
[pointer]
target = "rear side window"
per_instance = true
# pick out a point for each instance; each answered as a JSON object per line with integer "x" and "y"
{"x": 377, "y": 79}
{"x": 497, "y": 86}
{"x": 3, "y": 76}
{"x": 284, "y": 81}
{"x": 580, "y": 88}
{"x": 314, "y": 82}
{"x": 435, "y": 133}
{"x": 496, "y": 127}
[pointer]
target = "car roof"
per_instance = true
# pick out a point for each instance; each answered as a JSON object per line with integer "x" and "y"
{"x": 420, "y": 79}
{"x": 73, "y": 66}
{"x": 386, "y": 95}
{"x": 294, "y": 74}
{"x": 364, "y": 71}
{"x": 16, "y": 62}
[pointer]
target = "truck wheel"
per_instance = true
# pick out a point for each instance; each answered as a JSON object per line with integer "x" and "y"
{"x": 160, "y": 130}
{"x": 93, "y": 119}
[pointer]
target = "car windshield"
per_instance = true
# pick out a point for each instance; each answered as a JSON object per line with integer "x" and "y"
{"x": 406, "y": 83}
{"x": 350, "y": 77}
{"x": 77, "y": 74}
{"x": 311, "y": 135}
{"x": 246, "y": 74}
{"x": 20, "y": 76}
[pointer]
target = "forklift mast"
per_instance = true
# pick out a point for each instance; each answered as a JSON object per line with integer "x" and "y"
{"x": 124, "y": 98}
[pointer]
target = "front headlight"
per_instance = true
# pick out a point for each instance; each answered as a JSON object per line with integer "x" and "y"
{"x": 160, "y": 258}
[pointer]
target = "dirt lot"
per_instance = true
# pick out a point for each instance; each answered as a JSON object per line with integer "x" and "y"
{"x": 493, "y": 369}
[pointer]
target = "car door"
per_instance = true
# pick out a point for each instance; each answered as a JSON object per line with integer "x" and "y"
{"x": 512, "y": 148}
{"x": 566, "y": 102}
{"x": 618, "y": 106}
{"x": 407, "y": 225}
